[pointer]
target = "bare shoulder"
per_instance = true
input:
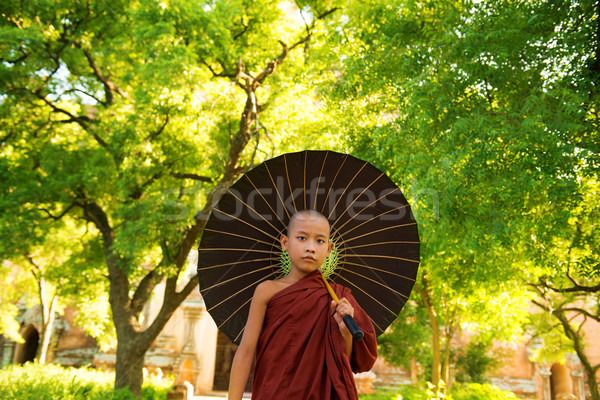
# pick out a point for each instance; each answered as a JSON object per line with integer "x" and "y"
{"x": 267, "y": 289}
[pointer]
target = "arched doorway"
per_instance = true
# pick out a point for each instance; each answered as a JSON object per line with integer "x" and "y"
{"x": 27, "y": 350}
{"x": 561, "y": 384}
{"x": 187, "y": 372}
{"x": 225, "y": 352}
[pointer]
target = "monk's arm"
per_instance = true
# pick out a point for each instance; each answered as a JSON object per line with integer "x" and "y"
{"x": 364, "y": 352}
{"x": 242, "y": 361}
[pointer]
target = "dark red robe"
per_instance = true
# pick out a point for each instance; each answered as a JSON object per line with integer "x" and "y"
{"x": 301, "y": 353}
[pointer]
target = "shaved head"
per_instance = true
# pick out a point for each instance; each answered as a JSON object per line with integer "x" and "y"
{"x": 306, "y": 215}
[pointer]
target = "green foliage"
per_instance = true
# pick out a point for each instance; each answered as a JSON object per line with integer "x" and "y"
{"x": 411, "y": 327}
{"x": 476, "y": 362}
{"x": 549, "y": 344}
{"x": 408, "y": 392}
{"x": 127, "y": 149}
{"x": 477, "y": 391}
{"x": 470, "y": 391}
{"x": 485, "y": 114}
{"x": 49, "y": 382}
{"x": 116, "y": 123}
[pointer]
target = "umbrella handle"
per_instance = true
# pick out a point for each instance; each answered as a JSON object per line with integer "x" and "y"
{"x": 357, "y": 333}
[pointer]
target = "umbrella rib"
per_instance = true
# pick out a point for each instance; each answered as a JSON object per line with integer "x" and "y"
{"x": 378, "y": 230}
{"x": 380, "y": 243}
{"x": 318, "y": 180}
{"x": 376, "y": 324}
{"x": 236, "y": 249}
{"x": 375, "y": 217}
{"x": 354, "y": 201}
{"x": 236, "y": 293}
{"x": 369, "y": 205}
{"x": 331, "y": 186}
{"x": 277, "y": 191}
{"x": 263, "y": 197}
{"x": 304, "y": 191}
{"x": 238, "y": 335}
{"x": 371, "y": 219}
{"x": 377, "y": 282}
{"x": 234, "y": 278}
{"x": 380, "y": 303}
{"x": 378, "y": 269}
{"x": 250, "y": 225}
{"x": 379, "y": 256}
{"x": 287, "y": 175}
{"x": 252, "y": 208}
{"x": 239, "y": 262}
{"x": 240, "y": 236}
{"x": 235, "y": 312}
{"x": 346, "y": 188}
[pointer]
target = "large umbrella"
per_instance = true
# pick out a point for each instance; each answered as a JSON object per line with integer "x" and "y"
{"x": 376, "y": 242}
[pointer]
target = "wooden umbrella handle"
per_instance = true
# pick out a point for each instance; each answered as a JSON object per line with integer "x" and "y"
{"x": 357, "y": 333}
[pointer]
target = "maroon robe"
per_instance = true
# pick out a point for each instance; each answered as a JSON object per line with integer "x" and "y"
{"x": 301, "y": 353}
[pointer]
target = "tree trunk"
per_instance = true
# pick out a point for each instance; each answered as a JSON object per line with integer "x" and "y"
{"x": 47, "y": 311}
{"x": 435, "y": 336}
{"x": 445, "y": 369}
{"x": 129, "y": 367}
{"x": 47, "y": 329}
{"x": 578, "y": 345}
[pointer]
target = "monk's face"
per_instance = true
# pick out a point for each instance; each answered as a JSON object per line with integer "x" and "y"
{"x": 307, "y": 242}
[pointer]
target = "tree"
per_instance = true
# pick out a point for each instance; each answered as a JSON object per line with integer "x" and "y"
{"x": 568, "y": 285}
{"x": 126, "y": 117}
{"x": 486, "y": 115}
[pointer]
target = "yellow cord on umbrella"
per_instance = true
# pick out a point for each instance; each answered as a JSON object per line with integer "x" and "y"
{"x": 329, "y": 289}
{"x": 357, "y": 333}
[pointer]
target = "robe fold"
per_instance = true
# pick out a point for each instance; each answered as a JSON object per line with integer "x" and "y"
{"x": 301, "y": 353}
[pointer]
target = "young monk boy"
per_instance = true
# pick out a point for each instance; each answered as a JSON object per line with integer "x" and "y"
{"x": 302, "y": 350}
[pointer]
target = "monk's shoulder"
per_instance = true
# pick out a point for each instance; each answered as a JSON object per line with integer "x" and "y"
{"x": 340, "y": 289}
{"x": 267, "y": 289}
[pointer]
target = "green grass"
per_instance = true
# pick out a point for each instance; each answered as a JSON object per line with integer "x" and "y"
{"x": 471, "y": 391}
{"x": 50, "y": 382}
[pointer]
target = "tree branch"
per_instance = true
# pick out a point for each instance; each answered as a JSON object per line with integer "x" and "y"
{"x": 195, "y": 177}
{"x": 144, "y": 290}
{"x": 119, "y": 281}
{"x": 16, "y": 61}
{"x": 218, "y": 75}
{"x": 59, "y": 216}
{"x": 540, "y": 305}
{"x": 238, "y": 35}
{"x": 575, "y": 288}
{"x": 154, "y": 135}
{"x": 109, "y": 85}
{"x": 583, "y": 312}
{"x": 167, "y": 309}
{"x": 326, "y": 13}
{"x": 85, "y": 93}
{"x": 79, "y": 119}
{"x": 36, "y": 271}
{"x": 187, "y": 289}
{"x": 7, "y": 136}
{"x": 139, "y": 191}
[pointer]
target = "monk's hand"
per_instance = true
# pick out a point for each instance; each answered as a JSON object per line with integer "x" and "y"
{"x": 339, "y": 310}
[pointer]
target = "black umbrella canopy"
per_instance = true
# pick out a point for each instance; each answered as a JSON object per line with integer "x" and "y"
{"x": 372, "y": 226}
